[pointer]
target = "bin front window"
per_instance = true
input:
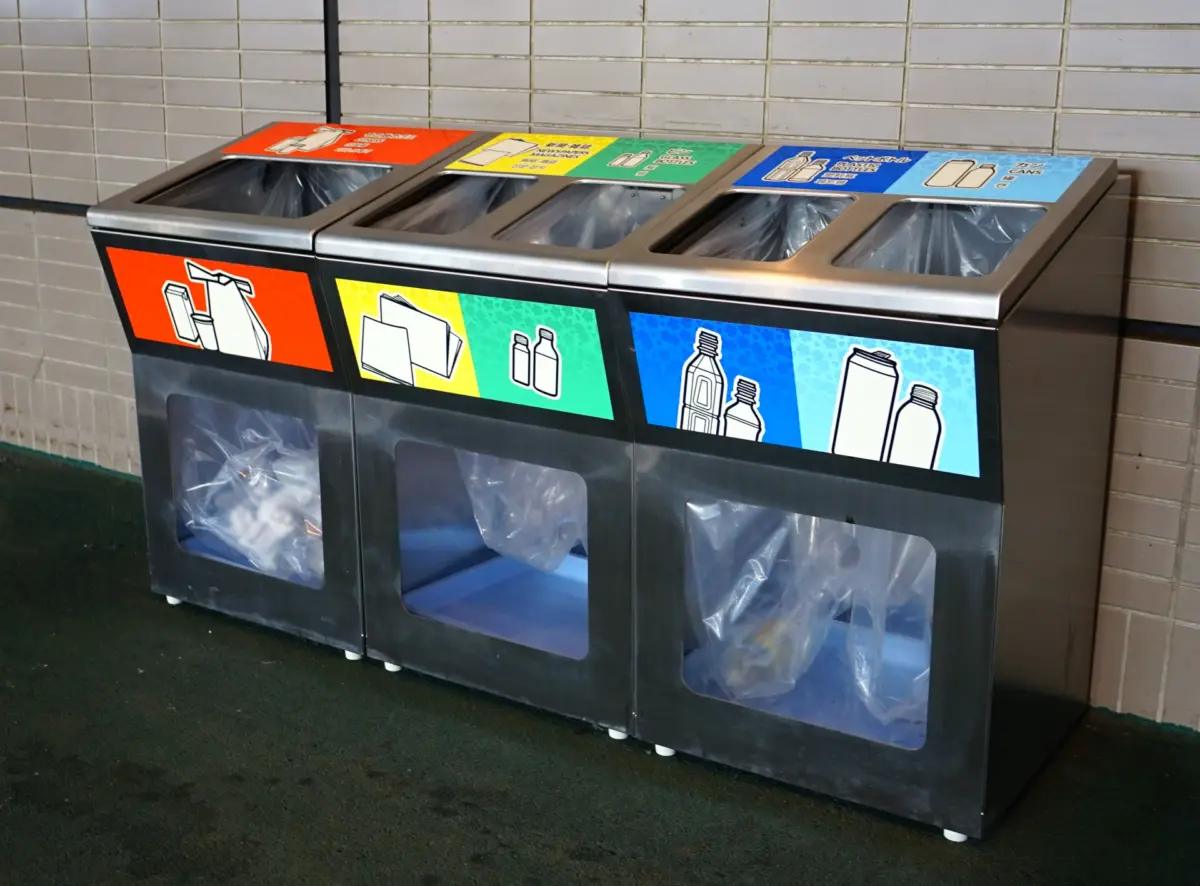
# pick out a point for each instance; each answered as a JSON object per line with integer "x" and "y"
{"x": 494, "y": 546}
{"x": 590, "y": 215}
{"x": 754, "y": 227}
{"x": 272, "y": 188}
{"x": 247, "y": 488}
{"x": 451, "y": 203}
{"x": 942, "y": 239}
{"x": 810, "y": 619}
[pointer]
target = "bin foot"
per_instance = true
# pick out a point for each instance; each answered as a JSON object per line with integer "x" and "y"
{"x": 617, "y": 735}
{"x": 391, "y": 668}
{"x": 954, "y": 836}
{"x": 353, "y": 656}
{"x": 664, "y": 751}
{"x": 173, "y": 601}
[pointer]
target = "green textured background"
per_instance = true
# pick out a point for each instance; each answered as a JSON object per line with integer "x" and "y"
{"x": 490, "y": 324}
{"x": 708, "y": 156}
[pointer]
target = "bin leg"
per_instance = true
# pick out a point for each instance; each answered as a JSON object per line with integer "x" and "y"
{"x": 954, "y": 836}
{"x": 391, "y": 668}
{"x": 353, "y": 656}
{"x": 617, "y": 735}
{"x": 664, "y": 751}
{"x": 173, "y": 601}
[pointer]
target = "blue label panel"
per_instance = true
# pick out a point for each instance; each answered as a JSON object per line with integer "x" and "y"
{"x": 890, "y": 401}
{"x": 1032, "y": 178}
{"x": 861, "y": 170}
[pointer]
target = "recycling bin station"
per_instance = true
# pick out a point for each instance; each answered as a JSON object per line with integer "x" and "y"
{"x": 244, "y": 420}
{"x": 872, "y": 393}
{"x": 493, "y": 442}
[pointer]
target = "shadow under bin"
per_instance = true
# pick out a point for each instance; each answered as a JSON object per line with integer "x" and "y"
{"x": 492, "y": 438}
{"x": 872, "y": 405}
{"x": 244, "y": 415}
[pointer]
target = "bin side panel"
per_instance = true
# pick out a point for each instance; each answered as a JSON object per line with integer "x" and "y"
{"x": 1058, "y": 358}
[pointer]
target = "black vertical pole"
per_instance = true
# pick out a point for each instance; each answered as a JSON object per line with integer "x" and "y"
{"x": 333, "y": 64}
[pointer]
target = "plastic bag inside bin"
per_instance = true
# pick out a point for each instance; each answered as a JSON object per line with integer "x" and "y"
{"x": 810, "y": 618}
{"x": 590, "y": 215}
{"x": 453, "y": 202}
{"x": 274, "y": 188}
{"x": 758, "y": 227}
{"x": 945, "y": 239}
{"x": 530, "y": 513}
{"x": 248, "y": 488}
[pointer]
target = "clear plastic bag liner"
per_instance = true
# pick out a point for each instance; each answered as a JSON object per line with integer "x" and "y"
{"x": 944, "y": 239}
{"x": 272, "y": 188}
{"x": 456, "y": 202}
{"x": 766, "y": 587}
{"x": 530, "y": 513}
{"x": 250, "y": 481}
{"x": 590, "y": 216}
{"x": 763, "y": 227}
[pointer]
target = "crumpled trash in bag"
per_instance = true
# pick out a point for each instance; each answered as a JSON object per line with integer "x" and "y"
{"x": 767, "y": 587}
{"x": 591, "y": 216}
{"x": 764, "y": 227}
{"x": 273, "y": 188}
{"x": 254, "y": 486}
{"x": 531, "y": 513}
{"x": 946, "y": 239}
{"x": 459, "y": 202}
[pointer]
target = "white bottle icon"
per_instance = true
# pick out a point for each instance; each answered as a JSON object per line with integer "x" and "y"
{"x": 865, "y": 404}
{"x": 918, "y": 430}
{"x": 950, "y": 173}
{"x": 978, "y": 177}
{"x": 785, "y": 170}
{"x": 636, "y": 159}
{"x": 547, "y": 366}
{"x": 520, "y": 360}
{"x": 742, "y": 420}
{"x": 321, "y": 137}
{"x": 810, "y": 171}
{"x": 702, "y": 386}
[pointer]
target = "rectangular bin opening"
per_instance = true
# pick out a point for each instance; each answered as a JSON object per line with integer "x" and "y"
{"x": 494, "y": 546}
{"x": 810, "y": 619}
{"x": 450, "y": 203}
{"x": 942, "y": 239}
{"x": 590, "y": 215}
{"x": 754, "y": 227}
{"x": 273, "y": 188}
{"x": 247, "y": 488}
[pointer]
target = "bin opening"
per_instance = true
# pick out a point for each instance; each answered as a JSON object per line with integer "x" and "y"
{"x": 943, "y": 239}
{"x": 590, "y": 215}
{"x": 754, "y": 227}
{"x": 247, "y": 488}
{"x": 494, "y": 546}
{"x": 810, "y": 619}
{"x": 272, "y": 188}
{"x": 450, "y": 203}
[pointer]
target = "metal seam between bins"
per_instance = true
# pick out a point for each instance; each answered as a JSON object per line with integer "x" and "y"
{"x": 333, "y": 63}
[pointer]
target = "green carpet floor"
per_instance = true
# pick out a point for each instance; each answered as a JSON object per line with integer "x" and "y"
{"x": 141, "y": 744}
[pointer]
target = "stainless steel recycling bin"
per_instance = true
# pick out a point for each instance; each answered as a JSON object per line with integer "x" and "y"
{"x": 872, "y": 395}
{"x": 244, "y": 418}
{"x": 492, "y": 437}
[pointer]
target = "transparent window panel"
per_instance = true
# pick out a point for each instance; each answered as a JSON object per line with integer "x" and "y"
{"x": 942, "y": 239}
{"x": 451, "y": 203}
{"x": 590, "y": 215}
{"x": 273, "y": 188}
{"x": 810, "y": 619}
{"x": 247, "y": 488}
{"x": 494, "y": 546}
{"x": 755, "y": 227}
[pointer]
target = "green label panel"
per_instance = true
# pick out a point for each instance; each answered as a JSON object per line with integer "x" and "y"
{"x": 656, "y": 160}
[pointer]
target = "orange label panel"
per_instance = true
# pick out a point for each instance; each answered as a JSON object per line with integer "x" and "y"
{"x": 243, "y": 310}
{"x": 393, "y": 145}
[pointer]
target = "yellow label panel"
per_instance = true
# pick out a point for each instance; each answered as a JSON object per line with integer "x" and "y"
{"x": 533, "y": 154}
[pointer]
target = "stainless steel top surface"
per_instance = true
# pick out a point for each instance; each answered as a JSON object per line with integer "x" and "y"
{"x": 812, "y": 277}
{"x": 479, "y": 247}
{"x": 130, "y": 211}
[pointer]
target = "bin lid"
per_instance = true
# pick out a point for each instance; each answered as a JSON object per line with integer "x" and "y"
{"x": 949, "y": 233}
{"x": 531, "y": 205}
{"x": 277, "y": 186}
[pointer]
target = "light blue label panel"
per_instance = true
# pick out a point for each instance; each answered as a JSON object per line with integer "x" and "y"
{"x": 861, "y": 170}
{"x": 882, "y": 400}
{"x": 1033, "y": 178}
